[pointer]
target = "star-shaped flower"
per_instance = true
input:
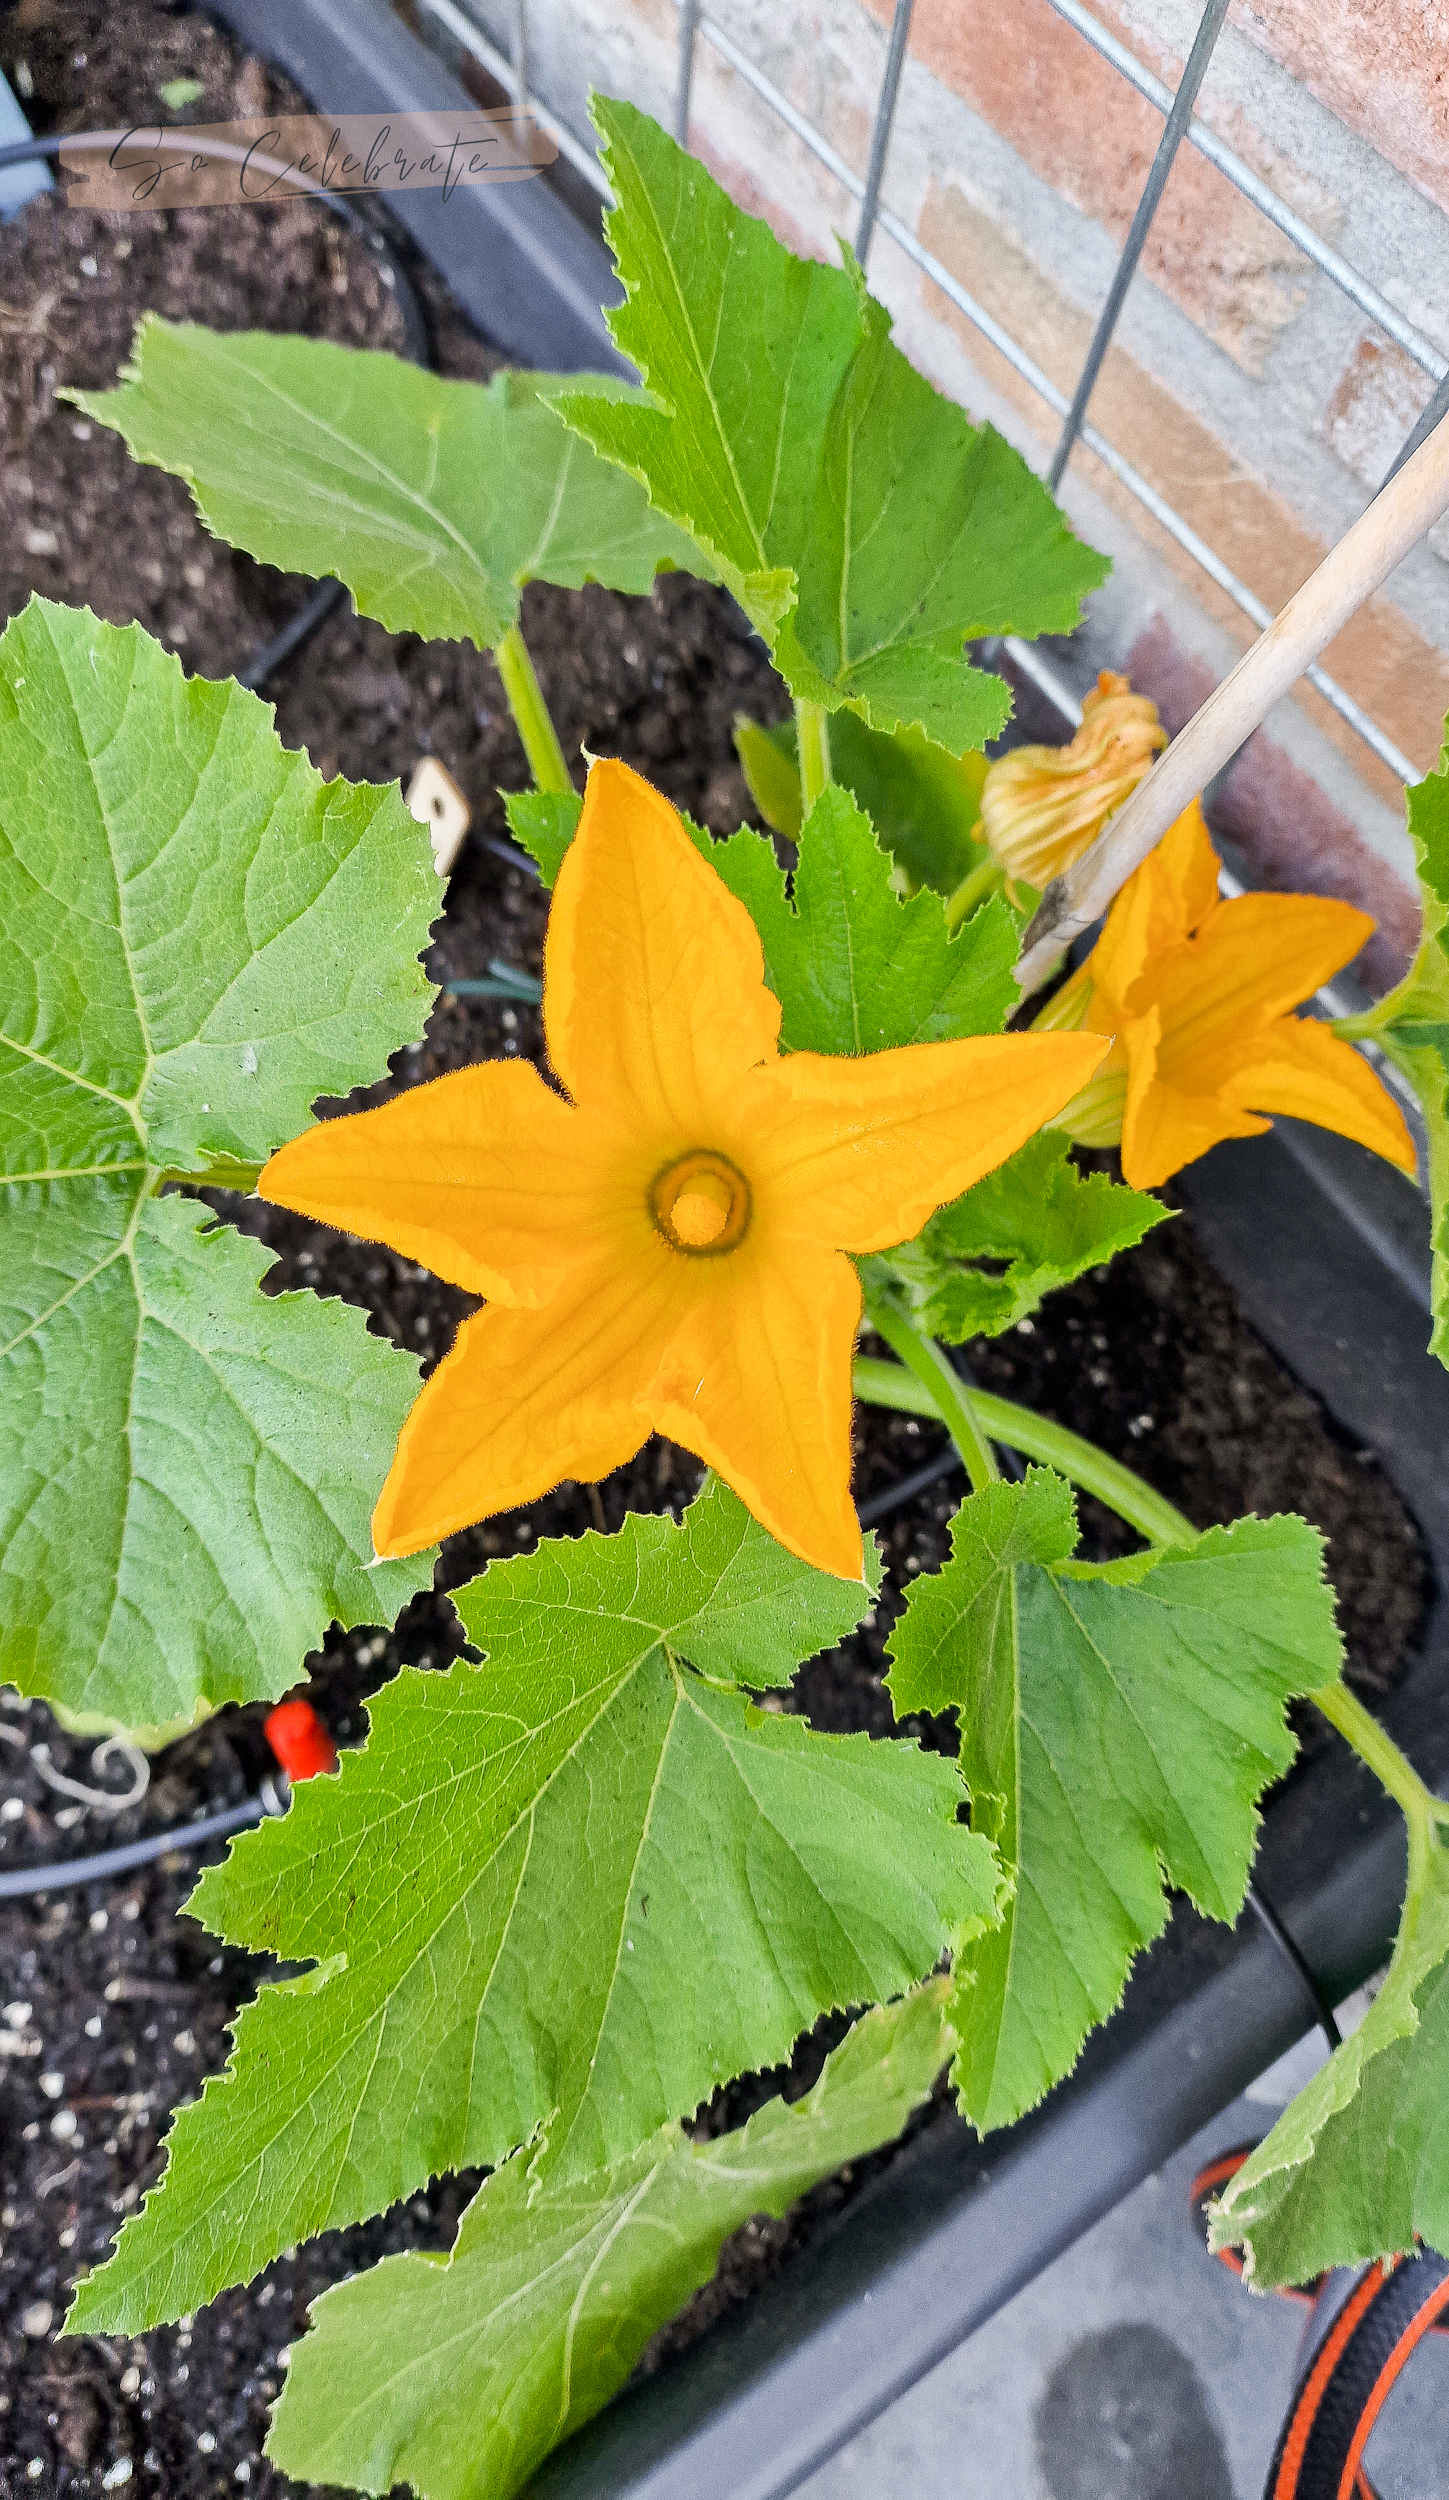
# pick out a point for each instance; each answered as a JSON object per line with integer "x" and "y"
{"x": 661, "y": 1244}
{"x": 1198, "y": 993}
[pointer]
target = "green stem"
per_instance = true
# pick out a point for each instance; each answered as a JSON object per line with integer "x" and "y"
{"x": 1374, "y": 1745}
{"x": 914, "y": 1392}
{"x": 942, "y": 1389}
{"x": 812, "y": 725}
{"x": 986, "y": 878}
{"x": 1035, "y": 1436}
{"x": 531, "y": 714}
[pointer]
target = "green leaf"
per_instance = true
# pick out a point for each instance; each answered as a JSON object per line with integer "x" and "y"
{"x": 575, "y": 1888}
{"x": 1037, "y": 1219}
{"x": 1412, "y": 1023}
{"x": 865, "y": 526}
{"x": 551, "y": 2292}
{"x": 433, "y": 501}
{"x": 854, "y": 967}
{"x": 1358, "y": 2164}
{"x": 544, "y": 823}
{"x": 1118, "y": 1724}
{"x": 197, "y": 937}
{"x": 922, "y": 802}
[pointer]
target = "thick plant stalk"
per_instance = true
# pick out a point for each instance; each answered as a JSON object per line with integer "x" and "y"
{"x": 531, "y": 714}
{"x": 1394, "y": 523}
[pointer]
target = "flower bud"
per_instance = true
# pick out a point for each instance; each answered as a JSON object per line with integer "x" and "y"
{"x": 1042, "y": 806}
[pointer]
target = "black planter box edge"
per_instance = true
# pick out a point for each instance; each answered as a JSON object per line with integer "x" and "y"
{"x": 520, "y": 265}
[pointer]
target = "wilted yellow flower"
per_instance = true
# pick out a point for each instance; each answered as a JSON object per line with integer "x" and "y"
{"x": 1042, "y": 806}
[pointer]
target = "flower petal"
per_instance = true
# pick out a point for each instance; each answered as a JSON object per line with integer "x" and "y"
{"x": 1162, "y": 1127}
{"x": 654, "y": 995}
{"x": 861, "y": 1151}
{"x": 756, "y": 1381}
{"x": 1253, "y": 959}
{"x": 485, "y": 1176}
{"x": 1161, "y": 903}
{"x": 524, "y": 1400}
{"x": 1302, "y": 1069}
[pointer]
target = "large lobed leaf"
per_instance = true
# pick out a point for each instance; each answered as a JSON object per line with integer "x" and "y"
{"x": 1036, "y": 1219}
{"x": 1412, "y": 1023}
{"x": 1358, "y": 2164}
{"x": 197, "y": 938}
{"x": 1118, "y": 1724}
{"x": 572, "y": 1889}
{"x": 458, "y": 2375}
{"x": 434, "y": 501}
{"x": 865, "y": 526}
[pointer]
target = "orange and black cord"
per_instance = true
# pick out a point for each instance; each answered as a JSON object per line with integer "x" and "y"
{"x": 1350, "y": 2375}
{"x": 1390, "y": 2310}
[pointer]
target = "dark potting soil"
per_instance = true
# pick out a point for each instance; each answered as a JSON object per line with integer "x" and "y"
{"x": 113, "y": 2007}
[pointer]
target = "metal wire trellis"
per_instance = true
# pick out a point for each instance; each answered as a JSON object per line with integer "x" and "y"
{"x": 512, "y": 77}
{"x": 696, "y": 23}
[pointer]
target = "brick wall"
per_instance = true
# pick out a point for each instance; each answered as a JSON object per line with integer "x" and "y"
{"x": 1253, "y": 396}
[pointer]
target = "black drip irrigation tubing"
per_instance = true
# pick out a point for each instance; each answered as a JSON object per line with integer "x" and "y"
{"x": 17, "y": 1883}
{"x": 1323, "y": 2012}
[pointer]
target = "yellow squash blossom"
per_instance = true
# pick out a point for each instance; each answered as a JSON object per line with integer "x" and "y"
{"x": 1041, "y": 807}
{"x": 661, "y": 1244}
{"x": 1198, "y": 993}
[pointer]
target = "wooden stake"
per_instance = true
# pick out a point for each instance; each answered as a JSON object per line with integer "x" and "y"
{"x": 1382, "y": 536}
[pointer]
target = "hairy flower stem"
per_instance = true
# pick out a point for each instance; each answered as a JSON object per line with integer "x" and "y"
{"x": 987, "y": 877}
{"x": 914, "y": 1392}
{"x": 1373, "y": 1745}
{"x": 531, "y": 714}
{"x": 812, "y": 724}
{"x": 944, "y": 1391}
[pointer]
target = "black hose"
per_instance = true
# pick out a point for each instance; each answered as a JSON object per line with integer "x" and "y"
{"x": 19, "y": 1881}
{"x": 510, "y": 854}
{"x": 298, "y": 629}
{"x": 891, "y": 1498}
{"x": 415, "y": 329}
{"x": 1322, "y": 2009}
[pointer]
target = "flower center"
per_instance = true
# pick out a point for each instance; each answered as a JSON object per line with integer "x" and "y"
{"x": 701, "y": 1204}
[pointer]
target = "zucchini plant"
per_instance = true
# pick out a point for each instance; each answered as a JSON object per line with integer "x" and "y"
{"x": 582, "y": 1878}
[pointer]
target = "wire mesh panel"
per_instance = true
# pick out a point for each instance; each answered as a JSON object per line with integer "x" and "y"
{"x": 1182, "y": 130}
{"x": 696, "y": 24}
